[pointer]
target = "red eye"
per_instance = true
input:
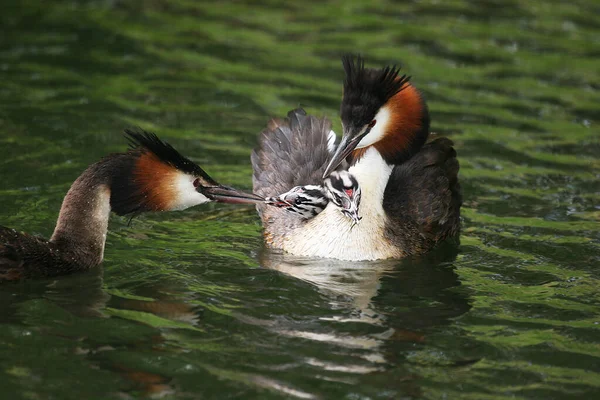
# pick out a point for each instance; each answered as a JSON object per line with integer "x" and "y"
{"x": 372, "y": 123}
{"x": 196, "y": 182}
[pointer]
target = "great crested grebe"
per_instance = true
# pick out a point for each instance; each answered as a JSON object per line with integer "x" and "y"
{"x": 151, "y": 176}
{"x": 410, "y": 192}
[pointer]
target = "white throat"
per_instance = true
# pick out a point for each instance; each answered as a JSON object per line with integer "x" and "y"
{"x": 382, "y": 119}
{"x": 332, "y": 235}
{"x": 372, "y": 173}
{"x": 185, "y": 194}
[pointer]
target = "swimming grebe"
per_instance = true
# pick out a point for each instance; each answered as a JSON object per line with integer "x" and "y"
{"x": 151, "y": 176}
{"x": 410, "y": 192}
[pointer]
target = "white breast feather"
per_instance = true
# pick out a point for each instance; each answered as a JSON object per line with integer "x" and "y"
{"x": 330, "y": 234}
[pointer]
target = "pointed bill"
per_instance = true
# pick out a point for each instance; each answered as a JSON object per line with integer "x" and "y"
{"x": 347, "y": 145}
{"x": 230, "y": 195}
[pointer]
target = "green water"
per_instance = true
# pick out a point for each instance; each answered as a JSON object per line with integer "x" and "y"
{"x": 188, "y": 305}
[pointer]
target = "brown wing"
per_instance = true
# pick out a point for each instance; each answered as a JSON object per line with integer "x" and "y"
{"x": 11, "y": 263}
{"x": 25, "y": 256}
{"x": 423, "y": 198}
{"x": 11, "y": 259}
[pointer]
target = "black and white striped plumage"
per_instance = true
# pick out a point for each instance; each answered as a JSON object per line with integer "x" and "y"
{"x": 343, "y": 190}
{"x": 304, "y": 201}
{"x": 340, "y": 188}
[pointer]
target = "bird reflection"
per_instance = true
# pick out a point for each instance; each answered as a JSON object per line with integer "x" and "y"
{"x": 80, "y": 294}
{"x": 347, "y": 284}
{"x": 402, "y": 298}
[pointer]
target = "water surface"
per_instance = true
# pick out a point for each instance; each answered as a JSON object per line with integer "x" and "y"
{"x": 189, "y": 305}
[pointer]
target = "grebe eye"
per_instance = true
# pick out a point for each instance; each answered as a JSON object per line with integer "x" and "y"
{"x": 372, "y": 123}
{"x": 196, "y": 182}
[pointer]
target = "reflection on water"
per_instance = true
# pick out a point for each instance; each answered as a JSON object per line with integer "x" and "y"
{"x": 354, "y": 288}
{"x": 188, "y": 306}
{"x": 80, "y": 294}
{"x": 348, "y": 284}
{"x": 356, "y": 315}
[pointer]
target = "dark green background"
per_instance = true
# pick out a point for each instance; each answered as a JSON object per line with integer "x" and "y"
{"x": 188, "y": 305}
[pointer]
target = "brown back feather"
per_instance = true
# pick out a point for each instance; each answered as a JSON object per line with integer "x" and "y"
{"x": 26, "y": 256}
{"x": 423, "y": 198}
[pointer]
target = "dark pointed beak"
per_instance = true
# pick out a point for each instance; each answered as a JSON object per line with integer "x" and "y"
{"x": 347, "y": 145}
{"x": 353, "y": 215}
{"x": 277, "y": 202}
{"x": 350, "y": 210}
{"x": 226, "y": 194}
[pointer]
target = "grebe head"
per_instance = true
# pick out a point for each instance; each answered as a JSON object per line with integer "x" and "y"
{"x": 156, "y": 177}
{"x": 341, "y": 188}
{"x": 306, "y": 201}
{"x": 343, "y": 191}
{"x": 382, "y": 109}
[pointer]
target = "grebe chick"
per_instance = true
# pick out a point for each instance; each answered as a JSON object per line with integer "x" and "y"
{"x": 150, "y": 176}
{"x": 344, "y": 191}
{"x": 339, "y": 188}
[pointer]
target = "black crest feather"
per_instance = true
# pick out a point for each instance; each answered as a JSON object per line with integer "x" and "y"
{"x": 148, "y": 141}
{"x": 383, "y": 83}
{"x": 131, "y": 195}
{"x": 366, "y": 90}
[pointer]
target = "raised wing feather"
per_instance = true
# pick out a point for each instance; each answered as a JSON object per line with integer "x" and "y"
{"x": 291, "y": 152}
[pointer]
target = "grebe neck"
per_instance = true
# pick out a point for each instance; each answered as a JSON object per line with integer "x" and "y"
{"x": 83, "y": 219}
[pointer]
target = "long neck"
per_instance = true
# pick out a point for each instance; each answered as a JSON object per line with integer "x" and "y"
{"x": 83, "y": 219}
{"x": 372, "y": 173}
